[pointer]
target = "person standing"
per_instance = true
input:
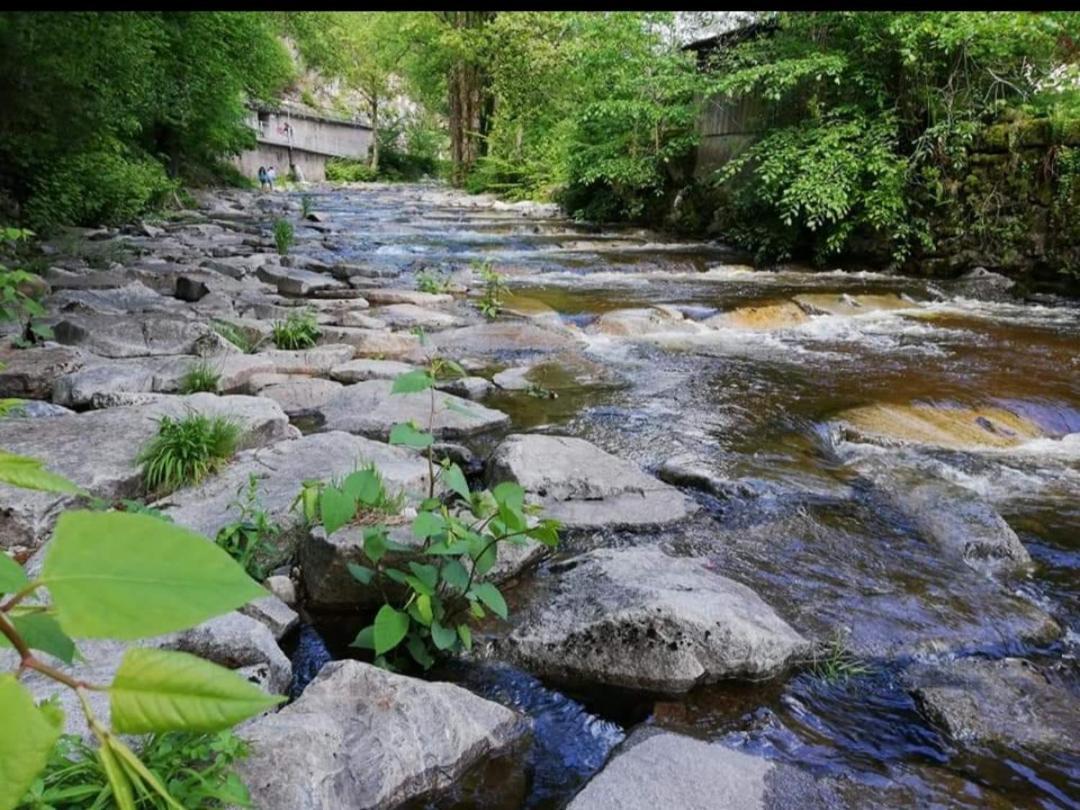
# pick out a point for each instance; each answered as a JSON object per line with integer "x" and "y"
{"x": 271, "y": 176}
{"x": 262, "y": 178}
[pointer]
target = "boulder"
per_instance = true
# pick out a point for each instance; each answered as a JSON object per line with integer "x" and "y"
{"x": 379, "y": 343}
{"x": 273, "y": 612}
{"x": 644, "y": 321}
{"x": 504, "y": 340}
{"x": 846, "y": 304}
{"x": 410, "y": 315}
{"x": 281, "y": 468}
{"x": 283, "y": 588}
{"x": 129, "y": 299}
{"x": 32, "y": 373}
{"x": 132, "y": 336}
{"x": 959, "y": 428}
{"x": 364, "y": 738}
{"x": 584, "y": 487}
{"x": 1009, "y": 702}
{"x": 363, "y": 369}
{"x": 782, "y": 315}
{"x": 299, "y": 397}
{"x": 294, "y": 281}
{"x": 369, "y": 409}
{"x": 474, "y": 388}
{"x": 639, "y": 619}
{"x": 387, "y": 296}
{"x": 98, "y": 451}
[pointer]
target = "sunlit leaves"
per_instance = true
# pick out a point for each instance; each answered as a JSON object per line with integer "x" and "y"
{"x": 12, "y": 576}
{"x": 390, "y": 628}
{"x": 409, "y": 436}
{"x": 25, "y": 745}
{"x": 29, "y": 473}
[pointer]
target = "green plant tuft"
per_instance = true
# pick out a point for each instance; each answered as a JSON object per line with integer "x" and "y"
{"x": 432, "y": 281}
{"x": 244, "y": 339}
{"x": 250, "y": 540}
{"x": 298, "y": 331}
{"x": 495, "y": 289}
{"x": 186, "y": 450}
{"x": 200, "y": 377}
{"x": 284, "y": 236}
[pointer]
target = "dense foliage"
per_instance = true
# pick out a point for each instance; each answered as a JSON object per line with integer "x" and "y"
{"x": 104, "y": 111}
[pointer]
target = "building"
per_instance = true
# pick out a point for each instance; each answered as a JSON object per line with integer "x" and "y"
{"x": 295, "y": 136}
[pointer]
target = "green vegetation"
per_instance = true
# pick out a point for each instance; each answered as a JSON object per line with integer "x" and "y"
{"x": 186, "y": 450}
{"x": 201, "y": 376}
{"x": 284, "y": 236}
{"x": 19, "y": 293}
{"x": 433, "y": 589}
{"x": 495, "y": 289}
{"x": 432, "y": 281}
{"x": 196, "y": 768}
{"x": 126, "y": 577}
{"x": 104, "y": 112}
{"x": 836, "y": 662}
{"x": 345, "y": 170}
{"x": 307, "y": 205}
{"x": 298, "y": 331}
{"x": 250, "y": 540}
{"x": 246, "y": 340}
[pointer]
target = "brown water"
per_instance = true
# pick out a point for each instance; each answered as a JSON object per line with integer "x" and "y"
{"x": 799, "y": 523}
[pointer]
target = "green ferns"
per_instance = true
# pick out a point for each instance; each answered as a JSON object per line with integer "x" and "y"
{"x": 186, "y": 450}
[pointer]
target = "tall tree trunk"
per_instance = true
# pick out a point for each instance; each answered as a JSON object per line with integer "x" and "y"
{"x": 375, "y": 134}
{"x": 470, "y": 101}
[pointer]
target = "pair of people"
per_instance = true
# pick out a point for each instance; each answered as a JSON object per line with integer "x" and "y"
{"x": 267, "y": 176}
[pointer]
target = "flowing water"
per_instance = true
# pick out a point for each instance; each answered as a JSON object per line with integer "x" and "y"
{"x": 795, "y": 515}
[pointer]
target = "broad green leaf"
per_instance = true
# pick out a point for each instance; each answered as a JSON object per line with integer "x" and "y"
{"x": 163, "y": 690}
{"x": 455, "y": 575}
{"x": 397, "y": 575}
{"x": 25, "y": 743}
{"x": 490, "y": 596}
{"x": 365, "y": 639}
{"x": 336, "y": 509}
{"x": 427, "y": 524}
{"x": 547, "y": 532}
{"x": 407, "y": 435}
{"x": 361, "y": 573}
{"x": 465, "y": 634}
{"x": 454, "y": 478}
{"x": 28, "y": 473}
{"x": 363, "y": 486}
{"x": 390, "y": 628}
{"x": 41, "y": 632}
{"x": 423, "y": 607}
{"x": 12, "y": 576}
{"x": 419, "y": 585}
{"x": 428, "y": 574}
{"x": 477, "y": 610}
{"x": 443, "y": 637}
{"x": 411, "y": 382}
{"x": 443, "y": 548}
{"x": 419, "y": 651}
{"x": 510, "y": 494}
{"x": 375, "y": 544}
{"x": 127, "y": 576}
{"x": 484, "y": 553}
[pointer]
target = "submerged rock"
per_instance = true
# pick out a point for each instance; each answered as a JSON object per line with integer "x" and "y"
{"x": 364, "y": 738}
{"x": 1008, "y": 702}
{"x": 846, "y": 304}
{"x": 639, "y": 619}
{"x": 956, "y": 428}
{"x": 645, "y": 321}
{"x": 582, "y": 486}
{"x": 782, "y": 315}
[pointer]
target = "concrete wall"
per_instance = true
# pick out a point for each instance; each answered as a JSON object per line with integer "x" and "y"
{"x": 312, "y": 165}
{"x": 322, "y": 136}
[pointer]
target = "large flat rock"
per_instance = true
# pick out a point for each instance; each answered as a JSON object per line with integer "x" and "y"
{"x": 281, "y": 468}
{"x": 639, "y": 619}
{"x": 369, "y": 409}
{"x": 360, "y": 737}
{"x": 98, "y": 451}
{"x": 584, "y": 487}
{"x": 956, "y": 428}
{"x": 32, "y": 373}
{"x": 136, "y": 335}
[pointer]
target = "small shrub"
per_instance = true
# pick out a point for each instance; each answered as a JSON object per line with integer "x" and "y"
{"x": 491, "y": 298}
{"x": 245, "y": 340}
{"x": 298, "y": 331}
{"x": 200, "y": 377}
{"x": 187, "y": 450}
{"x": 19, "y": 292}
{"x": 250, "y": 539}
{"x": 283, "y": 236}
{"x": 344, "y": 170}
{"x": 197, "y": 768}
{"x": 432, "y": 281}
{"x": 306, "y": 205}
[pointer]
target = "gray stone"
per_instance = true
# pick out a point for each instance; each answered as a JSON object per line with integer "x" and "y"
{"x": 1008, "y": 702}
{"x": 293, "y": 281}
{"x": 475, "y": 388}
{"x": 582, "y": 486}
{"x": 301, "y": 396}
{"x": 364, "y": 738}
{"x": 386, "y": 296}
{"x": 500, "y": 339}
{"x": 514, "y": 379}
{"x": 130, "y": 299}
{"x": 283, "y": 588}
{"x": 363, "y": 369}
{"x": 359, "y": 320}
{"x": 98, "y": 451}
{"x": 281, "y": 468}
{"x": 639, "y": 619}
{"x": 369, "y": 409}
{"x": 646, "y": 321}
{"x": 36, "y": 409}
{"x": 132, "y": 336}
{"x": 273, "y": 612}
{"x": 411, "y": 315}
{"x": 32, "y": 373}
{"x": 377, "y": 343}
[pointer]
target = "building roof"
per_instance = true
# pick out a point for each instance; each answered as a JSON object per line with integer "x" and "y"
{"x": 297, "y": 110}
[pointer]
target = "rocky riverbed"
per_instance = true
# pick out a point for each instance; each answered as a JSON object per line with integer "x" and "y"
{"x": 821, "y": 528}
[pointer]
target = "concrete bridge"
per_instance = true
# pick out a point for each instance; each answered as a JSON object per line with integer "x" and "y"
{"x": 304, "y": 139}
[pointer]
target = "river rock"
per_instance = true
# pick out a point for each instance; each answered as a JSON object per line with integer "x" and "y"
{"x": 584, "y": 487}
{"x": 98, "y": 451}
{"x": 299, "y": 397}
{"x": 639, "y": 619}
{"x": 281, "y": 468}
{"x": 294, "y": 281}
{"x": 1009, "y": 702}
{"x": 644, "y": 321}
{"x": 782, "y": 315}
{"x": 364, "y": 738}
{"x": 847, "y": 304}
{"x": 132, "y": 336}
{"x": 956, "y": 428}
{"x": 32, "y": 373}
{"x": 378, "y": 343}
{"x": 504, "y": 340}
{"x": 387, "y": 296}
{"x": 369, "y": 409}
{"x": 410, "y": 315}
{"x": 283, "y": 588}
{"x": 129, "y": 299}
{"x": 474, "y": 388}
{"x": 273, "y": 612}
{"x": 364, "y": 369}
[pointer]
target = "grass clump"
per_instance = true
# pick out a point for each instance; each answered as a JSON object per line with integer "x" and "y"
{"x": 307, "y": 205}
{"x": 200, "y": 377}
{"x": 283, "y": 236}
{"x": 198, "y": 769}
{"x": 186, "y": 450}
{"x": 298, "y": 331}
{"x": 494, "y": 291}
{"x": 432, "y": 281}
{"x": 245, "y": 340}
{"x": 835, "y": 662}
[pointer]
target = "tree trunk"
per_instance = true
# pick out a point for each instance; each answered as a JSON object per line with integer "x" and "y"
{"x": 470, "y": 101}
{"x": 374, "y": 135}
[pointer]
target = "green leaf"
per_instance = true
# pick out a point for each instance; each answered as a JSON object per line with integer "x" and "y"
{"x": 418, "y": 585}
{"x": 547, "y": 532}
{"x": 419, "y": 651}
{"x": 490, "y": 596}
{"x": 390, "y": 628}
{"x": 428, "y": 574}
{"x": 139, "y": 773}
{"x": 483, "y": 552}
{"x": 116, "y": 776}
{"x": 407, "y": 435}
{"x": 12, "y": 576}
{"x": 365, "y": 639}
{"x": 336, "y": 509}
{"x": 465, "y": 634}
{"x": 41, "y": 632}
{"x": 25, "y": 744}
{"x": 364, "y": 486}
{"x": 510, "y": 494}
{"x": 375, "y": 544}
{"x": 423, "y": 607}
{"x": 360, "y": 573}
{"x": 427, "y": 524}
{"x": 28, "y": 473}
{"x": 411, "y": 382}
{"x": 454, "y": 478}
{"x": 126, "y": 576}
{"x": 397, "y": 575}
{"x": 455, "y": 575}
{"x": 163, "y": 690}
{"x": 443, "y": 637}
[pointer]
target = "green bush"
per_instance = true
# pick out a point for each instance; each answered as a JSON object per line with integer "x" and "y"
{"x": 199, "y": 377}
{"x": 432, "y": 281}
{"x": 250, "y": 539}
{"x": 283, "y": 236}
{"x": 346, "y": 170}
{"x": 298, "y": 331}
{"x": 186, "y": 450}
